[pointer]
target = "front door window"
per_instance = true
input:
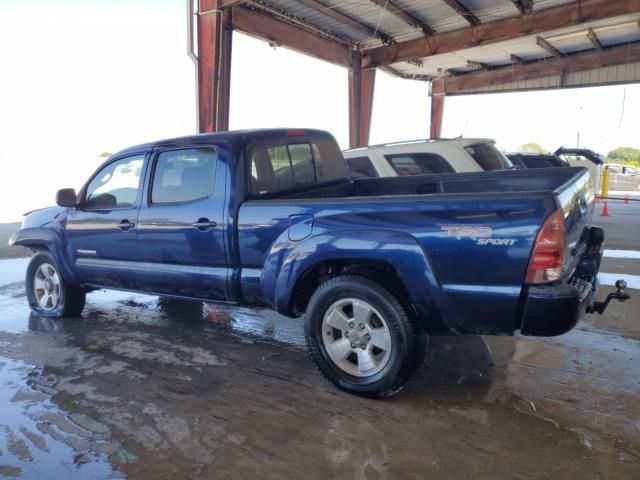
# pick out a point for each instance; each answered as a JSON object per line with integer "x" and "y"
{"x": 116, "y": 185}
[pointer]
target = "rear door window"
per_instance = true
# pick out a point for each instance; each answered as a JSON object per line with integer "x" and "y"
{"x": 183, "y": 175}
{"x": 418, "y": 163}
{"x": 488, "y": 157}
{"x": 361, "y": 167}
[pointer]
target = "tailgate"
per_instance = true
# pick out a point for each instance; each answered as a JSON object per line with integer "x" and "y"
{"x": 576, "y": 199}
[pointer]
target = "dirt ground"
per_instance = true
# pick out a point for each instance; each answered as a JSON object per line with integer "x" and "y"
{"x": 143, "y": 389}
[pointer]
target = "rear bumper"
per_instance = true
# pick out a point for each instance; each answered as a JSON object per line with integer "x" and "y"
{"x": 554, "y": 310}
{"x": 549, "y": 310}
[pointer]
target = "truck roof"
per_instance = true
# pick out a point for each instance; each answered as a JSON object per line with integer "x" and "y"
{"x": 254, "y": 134}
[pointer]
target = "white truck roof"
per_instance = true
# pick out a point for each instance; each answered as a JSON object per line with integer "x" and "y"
{"x": 425, "y": 156}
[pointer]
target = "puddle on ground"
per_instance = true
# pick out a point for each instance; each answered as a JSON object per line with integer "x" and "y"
{"x": 38, "y": 440}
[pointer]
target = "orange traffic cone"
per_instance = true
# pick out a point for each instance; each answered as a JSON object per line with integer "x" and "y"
{"x": 597, "y": 199}
{"x": 605, "y": 210}
{"x": 626, "y": 198}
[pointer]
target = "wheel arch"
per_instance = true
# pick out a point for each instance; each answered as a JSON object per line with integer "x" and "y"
{"x": 391, "y": 256}
{"x": 49, "y": 240}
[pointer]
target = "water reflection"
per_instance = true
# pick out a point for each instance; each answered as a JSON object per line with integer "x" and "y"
{"x": 38, "y": 439}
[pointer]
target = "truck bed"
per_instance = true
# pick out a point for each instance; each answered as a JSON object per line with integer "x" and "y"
{"x": 540, "y": 180}
{"x": 476, "y": 230}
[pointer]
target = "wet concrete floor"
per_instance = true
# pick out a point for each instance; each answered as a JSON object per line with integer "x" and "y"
{"x": 144, "y": 389}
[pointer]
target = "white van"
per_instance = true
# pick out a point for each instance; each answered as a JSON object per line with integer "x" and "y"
{"x": 418, "y": 157}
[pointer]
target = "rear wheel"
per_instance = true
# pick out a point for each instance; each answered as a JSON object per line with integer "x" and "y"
{"x": 361, "y": 337}
{"x": 48, "y": 293}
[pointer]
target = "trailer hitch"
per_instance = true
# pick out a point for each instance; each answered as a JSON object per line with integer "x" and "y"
{"x": 619, "y": 294}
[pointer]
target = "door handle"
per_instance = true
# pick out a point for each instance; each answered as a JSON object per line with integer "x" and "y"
{"x": 126, "y": 225}
{"x": 203, "y": 224}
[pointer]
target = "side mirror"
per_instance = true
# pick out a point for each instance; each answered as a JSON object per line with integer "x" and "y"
{"x": 66, "y": 197}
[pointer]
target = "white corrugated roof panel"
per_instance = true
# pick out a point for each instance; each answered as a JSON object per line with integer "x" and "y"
{"x": 491, "y": 10}
{"x": 317, "y": 19}
{"x": 576, "y": 42}
{"x": 542, "y": 4}
{"x": 435, "y": 13}
{"x": 441, "y": 17}
{"x": 617, "y": 34}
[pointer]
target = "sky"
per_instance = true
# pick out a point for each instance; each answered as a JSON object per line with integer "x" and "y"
{"x": 83, "y": 77}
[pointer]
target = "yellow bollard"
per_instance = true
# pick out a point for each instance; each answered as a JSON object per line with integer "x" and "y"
{"x": 604, "y": 187}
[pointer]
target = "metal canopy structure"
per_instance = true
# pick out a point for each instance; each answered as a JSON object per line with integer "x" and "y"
{"x": 460, "y": 46}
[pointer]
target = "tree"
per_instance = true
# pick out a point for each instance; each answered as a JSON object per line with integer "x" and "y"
{"x": 532, "y": 148}
{"x": 624, "y": 155}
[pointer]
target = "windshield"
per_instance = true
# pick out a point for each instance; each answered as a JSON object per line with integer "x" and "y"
{"x": 488, "y": 157}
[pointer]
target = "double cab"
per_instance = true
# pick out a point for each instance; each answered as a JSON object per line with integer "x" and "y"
{"x": 272, "y": 218}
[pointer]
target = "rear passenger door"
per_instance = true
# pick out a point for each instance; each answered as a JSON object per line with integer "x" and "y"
{"x": 181, "y": 224}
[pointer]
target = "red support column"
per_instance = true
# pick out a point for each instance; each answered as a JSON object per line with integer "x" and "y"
{"x": 214, "y": 66}
{"x": 437, "y": 112}
{"x": 361, "y": 87}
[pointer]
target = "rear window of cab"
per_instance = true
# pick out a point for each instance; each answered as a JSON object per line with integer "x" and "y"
{"x": 287, "y": 163}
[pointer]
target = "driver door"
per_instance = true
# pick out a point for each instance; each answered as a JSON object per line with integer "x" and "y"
{"x": 102, "y": 236}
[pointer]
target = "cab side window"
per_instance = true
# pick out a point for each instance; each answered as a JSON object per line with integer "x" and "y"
{"x": 418, "y": 163}
{"x": 184, "y": 175}
{"x": 116, "y": 185}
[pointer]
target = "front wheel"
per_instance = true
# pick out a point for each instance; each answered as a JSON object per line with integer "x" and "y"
{"x": 361, "y": 337}
{"x": 48, "y": 293}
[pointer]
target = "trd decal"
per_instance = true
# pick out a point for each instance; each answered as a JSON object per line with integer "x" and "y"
{"x": 467, "y": 231}
{"x": 482, "y": 234}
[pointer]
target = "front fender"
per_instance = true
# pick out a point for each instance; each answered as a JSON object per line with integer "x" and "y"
{"x": 285, "y": 266}
{"x": 49, "y": 236}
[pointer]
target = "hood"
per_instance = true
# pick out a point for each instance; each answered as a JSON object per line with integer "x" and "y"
{"x": 42, "y": 217}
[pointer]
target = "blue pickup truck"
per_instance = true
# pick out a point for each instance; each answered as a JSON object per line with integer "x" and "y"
{"x": 271, "y": 218}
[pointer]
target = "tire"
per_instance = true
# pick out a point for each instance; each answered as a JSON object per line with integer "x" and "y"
{"x": 389, "y": 347}
{"x": 48, "y": 293}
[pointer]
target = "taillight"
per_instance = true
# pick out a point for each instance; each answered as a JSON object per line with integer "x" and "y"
{"x": 547, "y": 258}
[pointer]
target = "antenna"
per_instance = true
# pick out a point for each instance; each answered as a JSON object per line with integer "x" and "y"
{"x": 464, "y": 129}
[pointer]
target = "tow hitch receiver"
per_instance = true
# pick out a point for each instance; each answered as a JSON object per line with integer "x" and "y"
{"x": 599, "y": 307}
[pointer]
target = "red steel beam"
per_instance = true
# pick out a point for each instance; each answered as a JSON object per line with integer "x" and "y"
{"x": 463, "y": 11}
{"x": 361, "y": 87}
{"x": 593, "y": 37}
{"x": 437, "y": 113}
{"x": 207, "y": 5}
{"x": 214, "y": 66}
{"x": 576, "y": 62}
{"x": 224, "y": 78}
{"x": 547, "y": 47}
{"x": 538, "y": 21}
{"x": 268, "y": 28}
